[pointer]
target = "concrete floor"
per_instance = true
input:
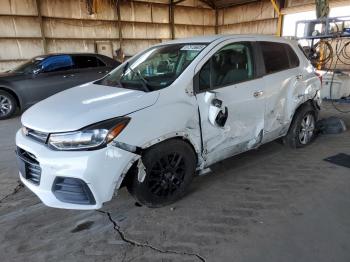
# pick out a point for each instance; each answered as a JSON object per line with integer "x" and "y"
{"x": 270, "y": 204}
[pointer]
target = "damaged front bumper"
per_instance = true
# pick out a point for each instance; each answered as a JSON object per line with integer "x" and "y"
{"x": 74, "y": 179}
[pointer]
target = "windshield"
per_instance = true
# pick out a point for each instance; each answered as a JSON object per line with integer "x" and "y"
{"x": 154, "y": 69}
{"x": 29, "y": 67}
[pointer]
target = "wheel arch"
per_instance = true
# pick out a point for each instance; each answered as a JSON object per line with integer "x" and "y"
{"x": 131, "y": 169}
{"x": 309, "y": 102}
{"x": 14, "y": 94}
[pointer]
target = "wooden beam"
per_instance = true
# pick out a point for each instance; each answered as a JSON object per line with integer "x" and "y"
{"x": 178, "y": 2}
{"x": 210, "y": 3}
{"x": 43, "y": 39}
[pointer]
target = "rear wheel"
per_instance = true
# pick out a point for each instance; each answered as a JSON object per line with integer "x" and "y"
{"x": 170, "y": 167}
{"x": 7, "y": 105}
{"x": 303, "y": 128}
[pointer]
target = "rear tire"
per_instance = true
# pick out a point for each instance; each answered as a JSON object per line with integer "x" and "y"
{"x": 7, "y": 105}
{"x": 303, "y": 128}
{"x": 170, "y": 167}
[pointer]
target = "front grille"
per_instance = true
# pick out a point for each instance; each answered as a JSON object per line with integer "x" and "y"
{"x": 73, "y": 190}
{"x": 29, "y": 166}
{"x": 36, "y": 135}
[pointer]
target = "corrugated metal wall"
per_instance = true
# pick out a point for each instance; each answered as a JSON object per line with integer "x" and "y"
{"x": 258, "y": 17}
{"x": 67, "y": 26}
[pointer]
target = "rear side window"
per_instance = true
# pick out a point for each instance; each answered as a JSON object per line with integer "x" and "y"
{"x": 57, "y": 63}
{"x": 86, "y": 62}
{"x": 275, "y": 56}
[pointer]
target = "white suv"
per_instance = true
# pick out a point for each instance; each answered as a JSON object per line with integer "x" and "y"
{"x": 165, "y": 115}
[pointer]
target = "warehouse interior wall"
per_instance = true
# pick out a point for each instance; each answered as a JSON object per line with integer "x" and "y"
{"x": 252, "y": 18}
{"x": 67, "y": 26}
{"x": 34, "y": 27}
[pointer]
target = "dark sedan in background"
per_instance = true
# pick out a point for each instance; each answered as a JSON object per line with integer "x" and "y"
{"x": 46, "y": 75}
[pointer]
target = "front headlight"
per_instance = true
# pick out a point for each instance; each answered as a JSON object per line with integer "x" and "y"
{"x": 91, "y": 137}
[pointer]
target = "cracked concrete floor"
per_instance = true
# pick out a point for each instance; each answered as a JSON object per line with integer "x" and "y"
{"x": 271, "y": 204}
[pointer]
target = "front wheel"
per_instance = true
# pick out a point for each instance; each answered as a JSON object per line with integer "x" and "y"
{"x": 7, "y": 105}
{"x": 303, "y": 128}
{"x": 170, "y": 167}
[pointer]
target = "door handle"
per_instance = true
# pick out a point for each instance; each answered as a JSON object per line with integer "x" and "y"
{"x": 299, "y": 77}
{"x": 258, "y": 93}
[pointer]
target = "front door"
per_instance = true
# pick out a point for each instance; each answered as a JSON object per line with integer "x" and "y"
{"x": 231, "y": 101}
{"x": 56, "y": 75}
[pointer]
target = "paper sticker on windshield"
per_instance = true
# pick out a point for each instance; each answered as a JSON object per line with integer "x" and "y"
{"x": 193, "y": 47}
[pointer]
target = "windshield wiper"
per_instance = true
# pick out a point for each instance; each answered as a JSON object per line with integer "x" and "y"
{"x": 144, "y": 82}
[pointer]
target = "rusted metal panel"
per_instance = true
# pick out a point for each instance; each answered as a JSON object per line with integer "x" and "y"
{"x": 19, "y": 26}
{"x": 72, "y": 46}
{"x": 19, "y": 48}
{"x": 160, "y": 14}
{"x": 8, "y": 65}
{"x": 245, "y": 13}
{"x": 139, "y": 12}
{"x": 193, "y": 16}
{"x": 253, "y": 27}
{"x": 18, "y": 7}
{"x": 194, "y": 3}
{"x": 79, "y": 29}
{"x": 151, "y": 31}
{"x": 77, "y": 9}
{"x": 131, "y": 47}
{"x": 183, "y": 31}
{"x": 290, "y": 3}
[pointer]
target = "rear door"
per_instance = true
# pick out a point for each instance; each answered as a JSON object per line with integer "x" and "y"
{"x": 89, "y": 68}
{"x": 231, "y": 101}
{"x": 282, "y": 79}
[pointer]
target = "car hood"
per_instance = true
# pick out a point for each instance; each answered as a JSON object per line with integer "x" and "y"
{"x": 8, "y": 74}
{"x": 84, "y": 105}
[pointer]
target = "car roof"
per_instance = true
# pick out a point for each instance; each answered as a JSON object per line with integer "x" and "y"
{"x": 56, "y": 54}
{"x": 212, "y": 38}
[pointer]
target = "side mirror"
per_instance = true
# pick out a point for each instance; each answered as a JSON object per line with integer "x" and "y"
{"x": 37, "y": 70}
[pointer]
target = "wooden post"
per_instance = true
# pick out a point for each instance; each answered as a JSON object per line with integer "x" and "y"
{"x": 216, "y": 21}
{"x": 120, "y": 33}
{"x": 43, "y": 39}
{"x": 171, "y": 19}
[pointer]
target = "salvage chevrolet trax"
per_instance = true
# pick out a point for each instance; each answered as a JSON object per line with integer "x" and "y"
{"x": 165, "y": 115}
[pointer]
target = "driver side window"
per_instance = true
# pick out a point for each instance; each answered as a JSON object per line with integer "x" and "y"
{"x": 232, "y": 64}
{"x": 57, "y": 63}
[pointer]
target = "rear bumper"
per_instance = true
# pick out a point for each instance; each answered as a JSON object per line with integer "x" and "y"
{"x": 100, "y": 170}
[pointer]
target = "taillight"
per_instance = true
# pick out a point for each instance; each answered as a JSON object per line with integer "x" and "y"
{"x": 319, "y": 76}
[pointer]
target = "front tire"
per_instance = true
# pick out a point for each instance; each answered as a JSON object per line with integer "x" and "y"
{"x": 303, "y": 128}
{"x": 7, "y": 105}
{"x": 170, "y": 167}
